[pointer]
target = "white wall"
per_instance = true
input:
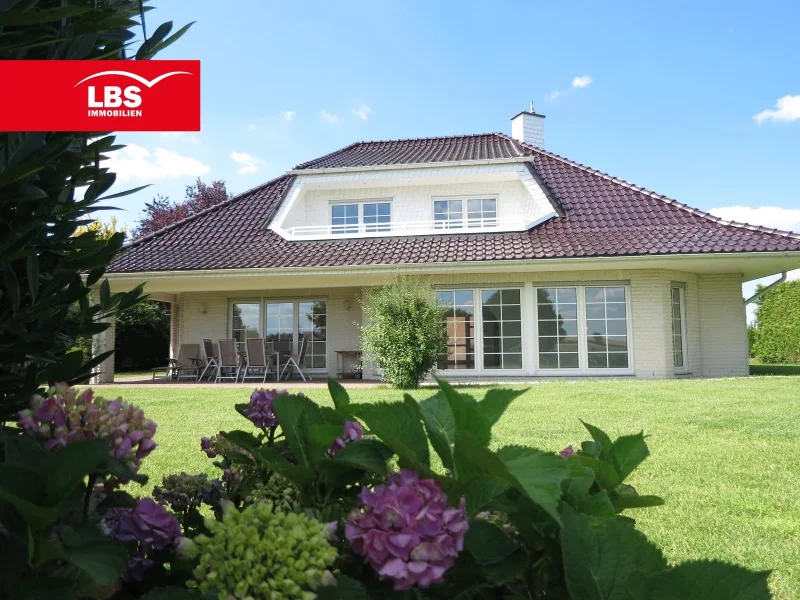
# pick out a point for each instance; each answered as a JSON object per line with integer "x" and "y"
{"x": 715, "y": 317}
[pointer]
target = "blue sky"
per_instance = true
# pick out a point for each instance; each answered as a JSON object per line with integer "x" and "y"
{"x": 670, "y": 98}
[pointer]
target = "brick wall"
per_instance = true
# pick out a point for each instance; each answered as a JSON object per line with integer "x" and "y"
{"x": 723, "y": 326}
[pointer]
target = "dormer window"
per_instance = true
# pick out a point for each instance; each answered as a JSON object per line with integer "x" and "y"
{"x": 367, "y": 216}
{"x": 460, "y": 213}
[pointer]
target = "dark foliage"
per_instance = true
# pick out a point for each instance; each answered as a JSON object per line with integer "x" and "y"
{"x": 162, "y": 212}
{"x": 142, "y": 336}
{"x": 45, "y": 268}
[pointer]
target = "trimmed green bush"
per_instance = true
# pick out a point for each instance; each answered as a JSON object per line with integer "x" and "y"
{"x": 406, "y": 331}
{"x": 778, "y": 316}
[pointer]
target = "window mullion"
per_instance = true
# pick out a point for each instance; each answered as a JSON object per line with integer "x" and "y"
{"x": 583, "y": 351}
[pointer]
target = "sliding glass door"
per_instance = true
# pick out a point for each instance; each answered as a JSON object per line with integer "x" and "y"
{"x": 290, "y": 321}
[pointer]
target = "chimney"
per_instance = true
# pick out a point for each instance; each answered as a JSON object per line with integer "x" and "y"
{"x": 528, "y": 127}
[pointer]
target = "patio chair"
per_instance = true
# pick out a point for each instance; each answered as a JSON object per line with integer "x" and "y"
{"x": 228, "y": 360}
{"x": 295, "y": 360}
{"x": 256, "y": 360}
{"x": 212, "y": 359}
{"x": 187, "y": 365}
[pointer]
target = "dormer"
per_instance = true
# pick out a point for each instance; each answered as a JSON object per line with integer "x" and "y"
{"x": 426, "y": 186}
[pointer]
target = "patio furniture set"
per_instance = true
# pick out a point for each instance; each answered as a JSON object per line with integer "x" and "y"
{"x": 226, "y": 362}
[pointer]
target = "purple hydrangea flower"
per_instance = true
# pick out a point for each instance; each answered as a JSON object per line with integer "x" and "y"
{"x": 352, "y": 433}
{"x": 568, "y": 451}
{"x": 406, "y": 530}
{"x": 207, "y": 446}
{"x": 260, "y": 410}
{"x": 65, "y": 416}
{"x": 149, "y": 526}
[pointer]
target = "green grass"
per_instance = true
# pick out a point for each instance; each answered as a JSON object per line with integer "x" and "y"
{"x": 723, "y": 453}
{"x": 759, "y": 368}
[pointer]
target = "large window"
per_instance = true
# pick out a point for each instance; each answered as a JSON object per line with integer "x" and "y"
{"x": 606, "y": 328}
{"x": 460, "y": 321}
{"x": 501, "y": 312}
{"x": 582, "y": 328}
{"x": 458, "y": 213}
{"x": 678, "y": 323}
{"x": 557, "y": 313}
{"x": 245, "y": 322}
{"x": 371, "y": 215}
{"x": 280, "y": 324}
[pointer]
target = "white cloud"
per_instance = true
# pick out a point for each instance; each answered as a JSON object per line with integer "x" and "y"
{"x": 180, "y": 136}
{"x": 249, "y": 164}
{"x": 251, "y": 128}
{"x": 136, "y": 162}
{"x": 581, "y": 82}
{"x": 362, "y": 112}
{"x": 555, "y": 95}
{"x": 328, "y": 117}
{"x": 786, "y": 109}
{"x": 768, "y": 216}
{"x": 288, "y": 115}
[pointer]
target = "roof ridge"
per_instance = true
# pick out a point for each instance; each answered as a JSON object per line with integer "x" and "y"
{"x": 205, "y": 211}
{"x": 656, "y": 195}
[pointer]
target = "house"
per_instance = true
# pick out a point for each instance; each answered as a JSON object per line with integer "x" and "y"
{"x": 546, "y": 267}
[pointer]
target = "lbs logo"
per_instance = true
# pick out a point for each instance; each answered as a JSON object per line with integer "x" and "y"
{"x": 101, "y": 96}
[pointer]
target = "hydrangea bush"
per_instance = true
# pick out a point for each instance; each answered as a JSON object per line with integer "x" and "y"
{"x": 348, "y": 502}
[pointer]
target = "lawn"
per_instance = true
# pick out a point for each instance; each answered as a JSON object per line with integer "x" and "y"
{"x": 723, "y": 453}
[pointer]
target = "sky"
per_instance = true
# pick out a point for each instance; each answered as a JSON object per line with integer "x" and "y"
{"x": 699, "y": 101}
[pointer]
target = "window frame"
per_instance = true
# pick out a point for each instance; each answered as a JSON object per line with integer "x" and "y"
{"x": 262, "y": 320}
{"x": 583, "y": 354}
{"x": 361, "y": 226}
{"x": 464, "y": 198}
{"x": 681, "y": 287}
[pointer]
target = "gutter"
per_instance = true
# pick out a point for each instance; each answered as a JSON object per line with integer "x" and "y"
{"x": 771, "y": 286}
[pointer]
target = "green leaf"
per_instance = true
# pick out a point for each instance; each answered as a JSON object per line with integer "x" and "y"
{"x": 171, "y": 39}
{"x": 627, "y": 453}
{"x": 535, "y": 474}
{"x": 101, "y": 558}
{"x": 105, "y": 294}
{"x": 626, "y": 496}
{"x": 602, "y": 555}
{"x": 271, "y": 458}
{"x": 495, "y": 403}
{"x": 704, "y": 580}
{"x": 341, "y": 399}
{"x": 487, "y": 543}
{"x": 41, "y": 15}
{"x": 466, "y": 413}
{"x": 23, "y": 489}
{"x": 481, "y": 491}
{"x": 606, "y": 476}
{"x": 398, "y": 425}
{"x": 320, "y": 438}
{"x": 369, "y": 455}
{"x": 67, "y": 466}
{"x": 241, "y": 439}
{"x": 540, "y": 476}
{"x": 121, "y": 470}
{"x": 296, "y": 414}
{"x": 440, "y": 423}
{"x": 346, "y": 588}
{"x": 599, "y": 436}
{"x": 125, "y": 193}
{"x": 32, "y": 268}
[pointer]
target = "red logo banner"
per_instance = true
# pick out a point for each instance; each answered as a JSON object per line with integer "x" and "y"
{"x": 100, "y": 95}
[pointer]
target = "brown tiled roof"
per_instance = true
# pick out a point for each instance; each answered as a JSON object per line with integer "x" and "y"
{"x": 604, "y": 216}
{"x": 482, "y": 146}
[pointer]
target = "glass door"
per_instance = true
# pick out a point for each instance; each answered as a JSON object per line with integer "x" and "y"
{"x": 289, "y": 321}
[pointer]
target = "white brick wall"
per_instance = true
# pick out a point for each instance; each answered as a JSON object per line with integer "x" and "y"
{"x": 715, "y": 316}
{"x": 519, "y": 196}
{"x": 723, "y": 326}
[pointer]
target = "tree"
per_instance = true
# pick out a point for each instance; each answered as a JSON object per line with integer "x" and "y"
{"x": 406, "y": 331}
{"x": 45, "y": 269}
{"x": 142, "y": 336}
{"x": 778, "y": 318}
{"x": 162, "y": 212}
{"x": 102, "y": 229}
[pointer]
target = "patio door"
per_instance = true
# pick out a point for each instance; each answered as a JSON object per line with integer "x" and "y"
{"x": 287, "y": 322}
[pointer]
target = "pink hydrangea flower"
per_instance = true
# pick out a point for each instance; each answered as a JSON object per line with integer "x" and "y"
{"x": 65, "y": 415}
{"x": 568, "y": 451}
{"x": 352, "y": 433}
{"x": 406, "y": 530}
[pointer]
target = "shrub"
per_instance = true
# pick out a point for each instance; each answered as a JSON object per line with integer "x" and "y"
{"x": 406, "y": 331}
{"x": 778, "y": 316}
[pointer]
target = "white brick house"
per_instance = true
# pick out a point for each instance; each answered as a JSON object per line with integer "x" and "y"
{"x": 547, "y": 268}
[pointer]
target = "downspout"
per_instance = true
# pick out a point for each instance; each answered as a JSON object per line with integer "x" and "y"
{"x": 758, "y": 295}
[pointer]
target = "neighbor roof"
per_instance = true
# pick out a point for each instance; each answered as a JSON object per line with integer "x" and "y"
{"x": 604, "y": 216}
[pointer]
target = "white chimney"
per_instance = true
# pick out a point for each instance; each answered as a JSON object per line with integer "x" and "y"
{"x": 528, "y": 127}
